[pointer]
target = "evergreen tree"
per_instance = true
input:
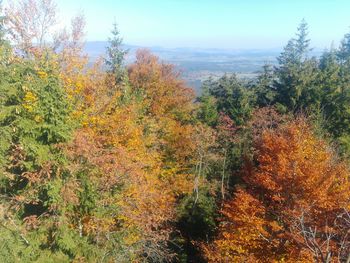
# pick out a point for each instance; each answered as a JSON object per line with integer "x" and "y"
{"x": 296, "y": 74}
{"x": 264, "y": 89}
{"x": 302, "y": 43}
{"x": 330, "y": 83}
{"x": 116, "y": 55}
{"x": 344, "y": 50}
{"x": 34, "y": 121}
{"x": 233, "y": 98}
{"x": 334, "y": 80}
{"x": 207, "y": 111}
{"x": 343, "y": 55}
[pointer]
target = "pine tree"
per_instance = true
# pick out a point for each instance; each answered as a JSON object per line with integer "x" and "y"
{"x": 34, "y": 121}
{"x": 296, "y": 74}
{"x": 116, "y": 55}
{"x": 207, "y": 111}
{"x": 334, "y": 80}
{"x": 343, "y": 55}
{"x": 330, "y": 83}
{"x": 264, "y": 89}
{"x": 302, "y": 43}
{"x": 344, "y": 50}
{"x": 233, "y": 98}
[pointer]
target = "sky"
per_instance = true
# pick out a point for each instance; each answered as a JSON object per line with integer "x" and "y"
{"x": 227, "y": 24}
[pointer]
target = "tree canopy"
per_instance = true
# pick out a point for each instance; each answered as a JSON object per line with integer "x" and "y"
{"x": 116, "y": 162}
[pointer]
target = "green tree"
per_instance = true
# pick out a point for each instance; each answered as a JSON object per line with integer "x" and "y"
{"x": 207, "y": 111}
{"x": 264, "y": 89}
{"x": 34, "y": 123}
{"x": 116, "y": 55}
{"x": 343, "y": 53}
{"x": 296, "y": 74}
{"x": 233, "y": 98}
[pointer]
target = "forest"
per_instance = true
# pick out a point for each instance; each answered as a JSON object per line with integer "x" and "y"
{"x": 122, "y": 163}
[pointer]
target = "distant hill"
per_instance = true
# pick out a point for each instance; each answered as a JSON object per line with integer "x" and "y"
{"x": 198, "y": 64}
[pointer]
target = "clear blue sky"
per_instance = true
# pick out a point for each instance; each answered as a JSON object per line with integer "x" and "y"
{"x": 212, "y": 23}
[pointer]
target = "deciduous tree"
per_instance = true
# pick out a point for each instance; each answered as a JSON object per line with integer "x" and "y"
{"x": 295, "y": 172}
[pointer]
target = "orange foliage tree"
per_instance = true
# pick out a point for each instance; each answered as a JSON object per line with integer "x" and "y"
{"x": 293, "y": 185}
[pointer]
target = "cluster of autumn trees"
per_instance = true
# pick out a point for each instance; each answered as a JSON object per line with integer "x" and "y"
{"x": 121, "y": 163}
{"x": 288, "y": 200}
{"x": 93, "y": 161}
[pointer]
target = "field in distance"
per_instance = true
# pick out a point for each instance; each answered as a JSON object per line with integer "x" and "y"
{"x": 198, "y": 64}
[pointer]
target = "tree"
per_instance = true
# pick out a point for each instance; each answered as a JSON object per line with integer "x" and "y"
{"x": 296, "y": 74}
{"x": 330, "y": 83}
{"x": 80, "y": 79}
{"x": 116, "y": 55}
{"x": 2, "y": 22}
{"x": 333, "y": 79}
{"x": 138, "y": 154}
{"x": 302, "y": 43}
{"x": 344, "y": 49}
{"x": 233, "y": 98}
{"x": 295, "y": 172}
{"x": 332, "y": 243}
{"x": 340, "y": 129}
{"x": 264, "y": 89}
{"x": 207, "y": 111}
{"x": 30, "y": 23}
{"x": 34, "y": 123}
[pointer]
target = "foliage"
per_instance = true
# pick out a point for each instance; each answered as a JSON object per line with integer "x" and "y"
{"x": 296, "y": 74}
{"x": 108, "y": 162}
{"x": 264, "y": 88}
{"x": 30, "y": 22}
{"x": 295, "y": 174}
{"x": 116, "y": 55}
{"x": 233, "y": 98}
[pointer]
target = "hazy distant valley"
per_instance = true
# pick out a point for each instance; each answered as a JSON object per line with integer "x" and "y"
{"x": 197, "y": 64}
